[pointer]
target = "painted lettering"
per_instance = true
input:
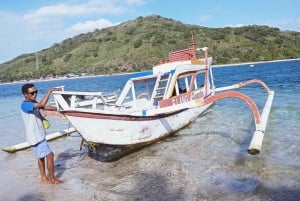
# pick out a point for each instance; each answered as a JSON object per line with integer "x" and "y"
{"x": 187, "y": 97}
{"x": 197, "y": 95}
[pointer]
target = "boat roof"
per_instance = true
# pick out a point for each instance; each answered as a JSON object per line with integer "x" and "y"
{"x": 182, "y": 66}
{"x": 175, "y": 68}
{"x": 168, "y": 67}
{"x": 180, "y": 61}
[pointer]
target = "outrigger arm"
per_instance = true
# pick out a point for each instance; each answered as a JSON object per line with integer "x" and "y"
{"x": 260, "y": 119}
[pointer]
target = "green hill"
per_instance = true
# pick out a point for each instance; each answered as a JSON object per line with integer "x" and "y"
{"x": 138, "y": 45}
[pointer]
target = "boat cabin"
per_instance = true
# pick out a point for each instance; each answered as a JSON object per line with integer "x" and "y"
{"x": 168, "y": 84}
{"x": 182, "y": 80}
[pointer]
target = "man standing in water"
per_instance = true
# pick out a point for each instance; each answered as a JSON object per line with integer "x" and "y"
{"x": 35, "y": 132}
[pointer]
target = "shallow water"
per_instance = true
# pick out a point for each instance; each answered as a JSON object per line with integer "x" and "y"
{"x": 207, "y": 160}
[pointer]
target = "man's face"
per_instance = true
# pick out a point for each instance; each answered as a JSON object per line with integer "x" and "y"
{"x": 31, "y": 94}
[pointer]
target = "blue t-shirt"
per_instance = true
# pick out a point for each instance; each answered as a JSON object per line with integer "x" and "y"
{"x": 32, "y": 119}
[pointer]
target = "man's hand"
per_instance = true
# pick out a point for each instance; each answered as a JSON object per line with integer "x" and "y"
{"x": 54, "y": 114}
{"x": 56, "y": 89}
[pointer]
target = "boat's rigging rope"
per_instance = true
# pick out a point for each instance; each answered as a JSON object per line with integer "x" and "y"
{"x": 9, "y": 115}
{"x": 17, "y": 114}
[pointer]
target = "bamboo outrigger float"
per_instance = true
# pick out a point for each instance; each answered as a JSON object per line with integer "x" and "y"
{"x": 49, "y": 137}
{"x": 154, "y": 104}
{"x": 260, "y": 120}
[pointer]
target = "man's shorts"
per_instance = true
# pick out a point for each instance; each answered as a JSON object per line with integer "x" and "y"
{"x": 41, "y": 149}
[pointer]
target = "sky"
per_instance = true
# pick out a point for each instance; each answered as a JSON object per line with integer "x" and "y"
{"x": 28, "y": 26}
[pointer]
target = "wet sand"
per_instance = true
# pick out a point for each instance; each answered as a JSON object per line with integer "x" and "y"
{"x": 182, "y": 167}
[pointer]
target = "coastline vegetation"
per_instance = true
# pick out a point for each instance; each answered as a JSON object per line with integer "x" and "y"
{"x": 139, "y": 44}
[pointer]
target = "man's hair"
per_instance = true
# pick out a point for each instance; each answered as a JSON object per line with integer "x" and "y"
{"x": 26, "y": 86}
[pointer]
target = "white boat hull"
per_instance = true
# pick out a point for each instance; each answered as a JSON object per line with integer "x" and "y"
{"x": 132, "y": 130}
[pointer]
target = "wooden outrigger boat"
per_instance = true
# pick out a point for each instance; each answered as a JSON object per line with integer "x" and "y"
{"x": 154, "y": 104}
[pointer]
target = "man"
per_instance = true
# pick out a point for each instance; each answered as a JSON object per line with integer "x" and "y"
{"x": 35, "y": 132}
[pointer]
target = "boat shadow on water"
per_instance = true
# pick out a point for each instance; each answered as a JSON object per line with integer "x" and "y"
{"x": 68, "y": 159}
{"x": 110, "y": 153}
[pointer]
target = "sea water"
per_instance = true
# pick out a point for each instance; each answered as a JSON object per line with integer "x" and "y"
{"x": 213, "y": 148}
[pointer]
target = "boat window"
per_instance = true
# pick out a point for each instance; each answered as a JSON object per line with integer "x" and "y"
{"x": 200, "y": 80}
{"x": 182, "y": 84}
{"x": 144, "y": 89}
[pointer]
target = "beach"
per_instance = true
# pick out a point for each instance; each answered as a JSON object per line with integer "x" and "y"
{"x": 182, "y": 167}
{"x": 207, "y": 160}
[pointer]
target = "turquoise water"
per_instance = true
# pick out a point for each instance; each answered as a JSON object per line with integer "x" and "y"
{"x": 225, "y": 129}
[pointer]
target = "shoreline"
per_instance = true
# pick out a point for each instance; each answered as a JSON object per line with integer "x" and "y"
{"x": 256, "y": 62}
{"x": 105, "y": 75}
{"x": 61, "y": 78}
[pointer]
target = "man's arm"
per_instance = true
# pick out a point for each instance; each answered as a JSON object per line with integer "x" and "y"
{"x": 48, "y": 110}
{"x": 53, "y": 114}
{"x": 43, "y": 102}
{"x": 50, "y": 107}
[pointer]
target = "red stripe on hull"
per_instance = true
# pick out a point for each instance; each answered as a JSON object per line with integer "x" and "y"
{"x": 117, "y": 117}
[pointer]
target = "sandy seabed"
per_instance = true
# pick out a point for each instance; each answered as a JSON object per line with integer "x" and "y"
{"x": 182, "y": 167}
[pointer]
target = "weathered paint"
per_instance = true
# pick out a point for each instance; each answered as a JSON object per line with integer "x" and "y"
{"x": 134, "y": 130}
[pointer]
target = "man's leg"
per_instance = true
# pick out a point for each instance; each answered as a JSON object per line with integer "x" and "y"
{"x": 50, "y": 167}
{"x": 41, "y": 164}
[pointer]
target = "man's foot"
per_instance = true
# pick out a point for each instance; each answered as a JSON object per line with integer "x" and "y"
{"x": 55, "y": 181}
{"x": 45, "y": 181}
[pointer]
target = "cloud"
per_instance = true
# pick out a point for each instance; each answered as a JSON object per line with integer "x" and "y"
{"x": 92, "y": 7}
{"x": 17, "y": 37}
{"x": 135, "y": 2}
{"x": 234, "y": 25}
{"x": 289, "y": 24}
{"x": 40, "y": 28}
{"x": 204, "y": 18}
{"x": 89, "y": 26}
{"x": 71, "y": 19}
{"x": 63, "y": 10}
